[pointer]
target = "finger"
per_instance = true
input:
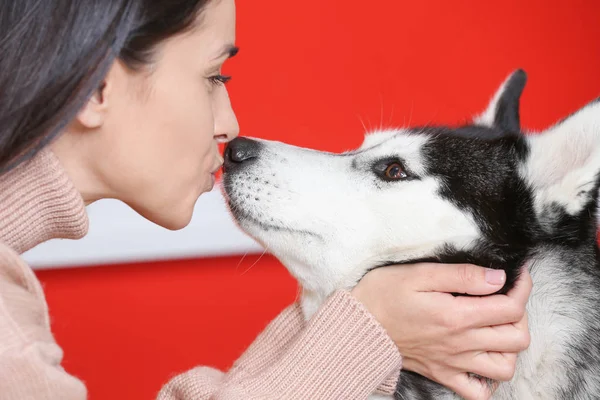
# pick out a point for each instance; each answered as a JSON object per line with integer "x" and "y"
{"x": 492, "y": 365}
{"x": 458, "y": 278}
{"x": 523, "y": 325}
{"x": 477, "y": 312}
{"x": 470, "y": 388}
{"x": 522, "y": 288}
{"x": 507, "y": 338}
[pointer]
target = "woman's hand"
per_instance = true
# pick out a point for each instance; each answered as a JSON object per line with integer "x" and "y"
{"x": 444, "y": 337}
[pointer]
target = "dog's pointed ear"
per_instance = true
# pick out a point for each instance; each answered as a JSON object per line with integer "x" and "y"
{"x": 503, "y": 110}
{"x": 563, "y": 164}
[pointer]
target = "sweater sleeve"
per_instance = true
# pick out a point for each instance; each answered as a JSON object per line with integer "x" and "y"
{"x": 30, "y": 359}
{"x": 342, "y": 352}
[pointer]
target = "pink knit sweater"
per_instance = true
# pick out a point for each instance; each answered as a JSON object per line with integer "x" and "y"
{"x": 341, "y": 353}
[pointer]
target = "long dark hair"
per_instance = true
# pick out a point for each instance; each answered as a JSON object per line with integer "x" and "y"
{"x": 55, "y": 53}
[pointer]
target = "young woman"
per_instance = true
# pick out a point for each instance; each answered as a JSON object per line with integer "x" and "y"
{"x": 125, "y": 99}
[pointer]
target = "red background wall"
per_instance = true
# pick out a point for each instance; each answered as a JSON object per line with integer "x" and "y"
{"x": 308, "y": 73}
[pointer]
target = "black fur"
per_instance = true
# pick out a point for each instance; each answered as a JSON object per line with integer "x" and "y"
{"x": 507, "y": 108}
{"x": 501, "y": 204}
{"x": 479, "y": 169}
{"x": 415, "y": 383}
{"x": 490, "y": 188}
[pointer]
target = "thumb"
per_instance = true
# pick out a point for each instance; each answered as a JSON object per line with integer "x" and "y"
{"x": 460, "y": 278}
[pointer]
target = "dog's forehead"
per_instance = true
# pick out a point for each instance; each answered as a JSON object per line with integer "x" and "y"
{"x": 399, "y": 139}
{"x": 376, "y": 138}
{"x": 403, "y": 144}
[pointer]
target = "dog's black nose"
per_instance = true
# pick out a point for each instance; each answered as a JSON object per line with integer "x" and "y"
{"x": 240, "y": 151}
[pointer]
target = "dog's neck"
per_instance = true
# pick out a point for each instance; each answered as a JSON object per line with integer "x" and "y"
{"x": 316, "y": 291}
{"x": 512, "y": 258}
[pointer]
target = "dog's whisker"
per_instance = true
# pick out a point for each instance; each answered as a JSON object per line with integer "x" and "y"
{"x": 255, "y": 262}
{"x": 381, "y": 113}
{"x": 412, "y": 107}
{"x": 362, "y": 123}
{"x": 240, "y": 262}
{"x": 298, "y": 294}
{"x": 391, "y": 120}
{"x": 428, "y": 124}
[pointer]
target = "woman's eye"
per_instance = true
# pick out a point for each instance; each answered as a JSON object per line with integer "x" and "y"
{"x": 219, "y": 79}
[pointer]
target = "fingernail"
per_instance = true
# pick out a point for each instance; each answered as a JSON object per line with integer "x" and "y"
{"x": 495, "y": 276}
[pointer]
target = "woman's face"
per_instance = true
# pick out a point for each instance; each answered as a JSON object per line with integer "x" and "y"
{"x": 150, "y": 138}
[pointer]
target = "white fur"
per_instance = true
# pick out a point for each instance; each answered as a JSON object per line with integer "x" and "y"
{"x": 551, "y": 329}
{"x": 348, "y": 220}
{"x": 378, "y": 137}
{"x": 329, "y": 220}
{"x": 565, "y": 159}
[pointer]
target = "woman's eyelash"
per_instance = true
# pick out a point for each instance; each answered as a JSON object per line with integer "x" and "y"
{"x": 219, "y": 79}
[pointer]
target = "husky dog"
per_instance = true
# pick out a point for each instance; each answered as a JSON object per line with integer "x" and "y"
{"x": 484, "y": 193}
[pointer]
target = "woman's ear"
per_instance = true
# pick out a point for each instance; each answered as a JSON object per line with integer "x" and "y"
{"x": 93, "y": 114}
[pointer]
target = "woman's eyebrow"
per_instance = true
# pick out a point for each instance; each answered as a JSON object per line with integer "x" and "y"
{"x": 229, "y": 50}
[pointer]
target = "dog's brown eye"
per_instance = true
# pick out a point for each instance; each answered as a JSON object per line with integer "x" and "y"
{"x": 394, "y": 171}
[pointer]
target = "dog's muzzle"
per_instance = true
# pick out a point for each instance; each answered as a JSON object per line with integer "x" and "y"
{"x": 240, "y": 152}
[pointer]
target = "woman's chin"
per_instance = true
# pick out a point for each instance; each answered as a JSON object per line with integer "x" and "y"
{"x": 177, "y": 215}
{"x": 176, "y": 223}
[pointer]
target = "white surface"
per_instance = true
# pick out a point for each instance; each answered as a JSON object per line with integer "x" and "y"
{"x": 118, "y": 234}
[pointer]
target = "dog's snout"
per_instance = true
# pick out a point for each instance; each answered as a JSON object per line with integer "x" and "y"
{"x": 240, "y": 151}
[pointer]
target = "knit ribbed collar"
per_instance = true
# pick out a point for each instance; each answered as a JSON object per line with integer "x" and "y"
{"x": 38, "y": 202}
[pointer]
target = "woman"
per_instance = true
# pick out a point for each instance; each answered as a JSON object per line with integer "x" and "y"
{"x": 125, "y": 99}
